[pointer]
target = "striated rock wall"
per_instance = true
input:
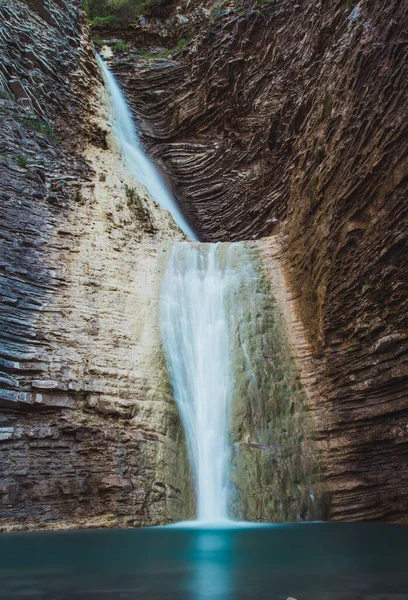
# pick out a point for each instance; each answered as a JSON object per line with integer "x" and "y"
{"x": 291, "y": 118}
{"x": 348, "y": 232}
{"x": 269, "y": 118}
{"x": 89, "y": 435}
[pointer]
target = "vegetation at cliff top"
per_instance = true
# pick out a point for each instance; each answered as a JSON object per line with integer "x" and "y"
{"x": 111, "y": 12}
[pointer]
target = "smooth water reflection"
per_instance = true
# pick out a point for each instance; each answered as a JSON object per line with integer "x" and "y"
{"x": 316, "y": 561}
{"x": 212, "y": 566}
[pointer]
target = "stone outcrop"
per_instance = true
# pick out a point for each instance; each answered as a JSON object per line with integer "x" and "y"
{"x": 290, "y": 118}
{"x": 89, "y": 435}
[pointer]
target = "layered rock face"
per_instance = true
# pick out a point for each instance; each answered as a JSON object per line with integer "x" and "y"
{"x": 89, "y": 435}
{"x": 291, "y": 118}
{"x": 274, "y": 118}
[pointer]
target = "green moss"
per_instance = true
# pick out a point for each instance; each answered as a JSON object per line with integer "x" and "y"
{"x": 146, "y": 55}
{"x": 114, "y": 12}
{"x": 41, "y": 126}
{"x": 22, "y": 161}
{"x": 181, "y": 44}
{"x": 109, "y": 20}
{"x": 120, "y": 47}
{"x": 276, "y": 463}
{"x": 152, "y": 56}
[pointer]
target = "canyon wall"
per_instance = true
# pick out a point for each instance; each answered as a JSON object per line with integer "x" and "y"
{"x": 281, "y": 120}
{"x": 289, "y": 119}
{"x": 89, "y": 434}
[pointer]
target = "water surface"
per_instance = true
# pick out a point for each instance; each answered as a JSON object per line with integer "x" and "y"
{"x": 310, "y": 561}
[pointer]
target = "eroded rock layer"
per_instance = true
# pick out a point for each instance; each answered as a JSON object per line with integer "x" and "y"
{"x": 89, "y": 435}
{"x": 291, "y": 117}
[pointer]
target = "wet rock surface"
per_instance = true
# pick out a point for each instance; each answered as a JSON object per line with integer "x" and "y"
{"x": 291, "y": 117}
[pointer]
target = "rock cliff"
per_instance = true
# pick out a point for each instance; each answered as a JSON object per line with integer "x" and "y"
{"x": 278, "y": 120}
{"x": 89, "y": 435}
{"x": 290, "y": 118}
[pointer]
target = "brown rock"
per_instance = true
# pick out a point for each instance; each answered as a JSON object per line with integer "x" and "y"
{"x": 299, "y": 115}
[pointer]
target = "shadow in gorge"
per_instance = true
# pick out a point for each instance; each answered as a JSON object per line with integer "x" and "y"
{"x": 308, "y": 561}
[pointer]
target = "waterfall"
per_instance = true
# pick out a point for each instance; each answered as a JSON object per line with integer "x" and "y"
{"x": 196, "y": 316}
{"x": 225, "y": 345}
{"x": 138, "y": 163}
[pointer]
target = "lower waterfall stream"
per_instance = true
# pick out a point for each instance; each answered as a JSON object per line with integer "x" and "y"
{"x": 197, "y": 313}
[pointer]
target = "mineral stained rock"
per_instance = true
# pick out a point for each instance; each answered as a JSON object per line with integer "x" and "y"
{"x": 290, "y": 118}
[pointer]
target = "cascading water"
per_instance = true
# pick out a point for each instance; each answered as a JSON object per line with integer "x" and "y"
{"x": 195, "y": 327}
{"x": 197, "y": 291}
{"x": 225, "y": 352}
{"x": 138, "y": 163}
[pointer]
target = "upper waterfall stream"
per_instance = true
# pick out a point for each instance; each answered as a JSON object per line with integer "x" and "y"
{"x": 137, "y": 161}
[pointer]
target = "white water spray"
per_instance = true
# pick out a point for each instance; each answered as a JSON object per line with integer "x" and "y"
{"x": 196, "y": 328}
{"x": 138, "y": 163}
